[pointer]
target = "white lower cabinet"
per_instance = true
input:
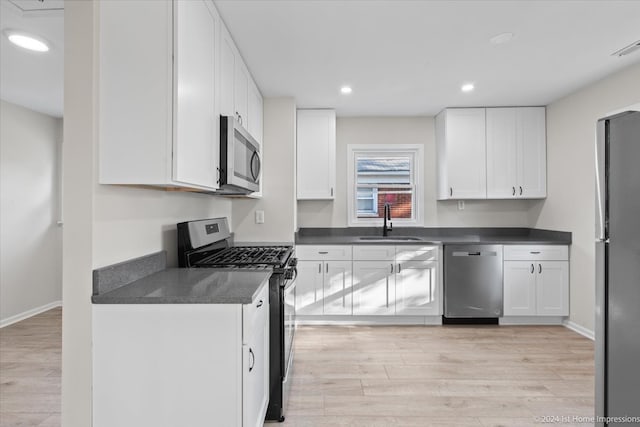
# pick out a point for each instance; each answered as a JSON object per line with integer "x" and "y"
{"x": 417, "y": 289}
{"x": 374, "y": 286}
{"x": 167, "y": 365}
{"x": 538, "y": 286}
{"x": 309, "y": 288}
{"x": 368, "y": 280}
{"x": 337, "y": 296}
{"x": 323, "y": 287}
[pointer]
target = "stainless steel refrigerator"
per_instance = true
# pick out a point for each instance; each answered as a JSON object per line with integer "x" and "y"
{"x": 618, "y": 269}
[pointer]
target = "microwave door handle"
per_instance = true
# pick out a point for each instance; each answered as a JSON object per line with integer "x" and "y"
{"x": 255, "y": 158}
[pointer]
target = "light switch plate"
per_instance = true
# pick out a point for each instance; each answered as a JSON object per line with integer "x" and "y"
{"x": 460, "y": 205}
{"x": 259, "y": 217}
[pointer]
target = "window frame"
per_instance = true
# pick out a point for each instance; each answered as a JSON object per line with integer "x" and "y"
{"x": 416, "y": 151}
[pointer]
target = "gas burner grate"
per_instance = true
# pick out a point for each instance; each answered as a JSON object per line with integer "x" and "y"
{"x": 240, "y": 256}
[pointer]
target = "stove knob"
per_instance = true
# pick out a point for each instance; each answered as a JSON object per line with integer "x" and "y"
{"x": 288, "y": 274}
{"x": 293, "y": 262}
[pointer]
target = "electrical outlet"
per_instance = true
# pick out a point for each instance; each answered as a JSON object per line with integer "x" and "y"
{"x": 460, "y": 205}
{"x": 259, "y": 217}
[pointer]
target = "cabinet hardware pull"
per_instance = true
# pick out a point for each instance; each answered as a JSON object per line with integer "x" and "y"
{"x": 320, "y": 268}
{"x": 387, "y": 292}
{"x": 534, "y": 252}
{"x": 391, "y": 268}
{"x": 218, "y": 176}
{"x": 253, "y": 360}
{"x": 327, "y": 269}
{"x": 532, "y": 269}
{"x": 399, "y": 268}
{"x": 259, "y": 304}
{"x": 323, "y": 252}
{"x": 331, "y": 191}
{"x": 539, "y": 268}
{"x": 521, "y": 190}
{"x": 451, "y": 191}
{"x": 514, "y": 191}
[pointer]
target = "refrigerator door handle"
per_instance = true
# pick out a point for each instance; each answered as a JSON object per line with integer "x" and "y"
{"x": 600, "y": 180}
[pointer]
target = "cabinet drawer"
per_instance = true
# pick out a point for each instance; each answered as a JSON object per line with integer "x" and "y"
{"x": 374, "y": 253}
{"x": 536, "y": 253}
{"x": 416, "y": 253}
{"x": 324, "y": 252}
{"x": 251, "y": 312}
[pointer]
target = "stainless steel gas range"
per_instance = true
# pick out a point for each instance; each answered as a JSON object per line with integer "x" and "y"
{"x": 208, "y": 244}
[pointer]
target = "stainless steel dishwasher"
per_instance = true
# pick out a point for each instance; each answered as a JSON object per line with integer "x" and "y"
{"x": 472, "y": 282}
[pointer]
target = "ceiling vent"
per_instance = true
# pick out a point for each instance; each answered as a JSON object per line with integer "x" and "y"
{"x": 627, "y": 50}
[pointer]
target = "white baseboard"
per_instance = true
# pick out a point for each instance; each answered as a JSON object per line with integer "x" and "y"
{"x": 29, "y": 313}
{"x": 531, "y": 320}
{"x": 580, "y": 329}
{"x": 338, "y": 320}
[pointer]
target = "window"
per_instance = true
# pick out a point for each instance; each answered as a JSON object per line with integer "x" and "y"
{"x": 380, "y": 175}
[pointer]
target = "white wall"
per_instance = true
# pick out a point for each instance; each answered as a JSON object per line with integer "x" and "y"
{"x": 103, "y": 224}
{"x": 406, "y": 130}
{"x": 571, "y": 126}
{"x": 278, "y": 192}
{"x": 29, "y": 211}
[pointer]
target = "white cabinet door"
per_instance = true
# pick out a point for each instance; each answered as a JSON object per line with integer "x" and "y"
{"x": 461, "y": 146}
{"x": 417, "y": 289}
{"x": 552, "y": 288}
{"x": 241, "y": 92}
{"x": 519, "y": 288}
{"x": 255, "y": 112}
{"x": 502, "y": 141}
{"x": 227, "y": 73}
{"x": 196, "y": 125}
{"x": 532, "y": 152}
{"x": 309, "y": 288}
{"x": 373, "y": 288}
{"x": 337, "y": 287}
{"x": 316, "y": 154}
{"x": 255, "y": 371}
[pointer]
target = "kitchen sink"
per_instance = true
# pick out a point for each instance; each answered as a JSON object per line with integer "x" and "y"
{"x": 391, "y": 239}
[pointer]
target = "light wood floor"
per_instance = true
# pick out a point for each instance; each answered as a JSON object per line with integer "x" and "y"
{"x": 30, "y": 367}
{"x": 366, "y": 376}
{"x": 440, "y": 376}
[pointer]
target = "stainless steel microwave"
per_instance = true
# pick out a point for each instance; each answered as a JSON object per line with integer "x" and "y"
{"x": 240, "y": 160}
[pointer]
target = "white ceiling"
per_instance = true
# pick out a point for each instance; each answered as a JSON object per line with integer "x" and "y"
{"x": 31, "y": 79}
{"x": 411, "y": 57}
{"x": 400, "y": 57}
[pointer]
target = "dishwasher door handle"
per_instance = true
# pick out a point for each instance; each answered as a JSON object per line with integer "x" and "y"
{"x": 478, "y": 253}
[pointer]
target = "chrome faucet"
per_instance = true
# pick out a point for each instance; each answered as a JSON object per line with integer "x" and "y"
{"x": 387, "y": 217}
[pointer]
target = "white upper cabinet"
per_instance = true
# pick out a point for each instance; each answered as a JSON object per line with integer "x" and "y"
{"x": 255, "y": 112}
{"x": 491, "y": 153}
{"x": 196, "y": 128}
{"x": 227, "y": 73}
{"x": 157, "y": 101}
{"x": 316, "y": 154}
{"x": 516, "y": 153}
{"x": 239, "y": 94}
{"x": 532, "y": 157}
{"x": 461, "y": 153}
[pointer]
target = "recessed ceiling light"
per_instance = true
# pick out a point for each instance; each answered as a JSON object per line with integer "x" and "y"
{"x": 501, "y": 38}
{"x": 27, "y": 41}
{"x": 467, "y": 87}
{"x": 345, "y": 90}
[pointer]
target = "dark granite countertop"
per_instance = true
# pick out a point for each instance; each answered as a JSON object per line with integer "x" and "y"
{"x": 431, "y": 235}
{"x": 146, "y": 280}
{"x": 189, "y": 286}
